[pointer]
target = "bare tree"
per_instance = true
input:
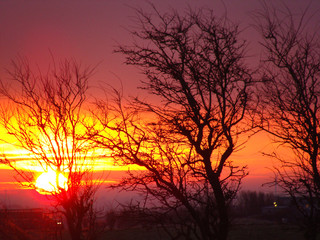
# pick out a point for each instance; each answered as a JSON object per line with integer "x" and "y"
{"x": 291, "y": 110}
{"x": 44, "y": 114}
{"x": 194, "y": 66}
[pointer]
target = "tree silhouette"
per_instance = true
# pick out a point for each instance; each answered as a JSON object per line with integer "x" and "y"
{"x": 193, "y": 64}
{"x": 251, "y": 202}
{"x": 44, "y": 114}
{"x": 290, "y": 106}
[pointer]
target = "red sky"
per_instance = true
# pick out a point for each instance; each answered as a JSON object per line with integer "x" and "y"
{"x": 88, "y": 31}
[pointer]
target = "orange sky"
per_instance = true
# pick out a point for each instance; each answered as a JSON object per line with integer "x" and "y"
{"x": 88, "y": 31}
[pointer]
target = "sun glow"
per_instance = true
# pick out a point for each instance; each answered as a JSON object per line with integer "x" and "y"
{"x": 48, "y": 183}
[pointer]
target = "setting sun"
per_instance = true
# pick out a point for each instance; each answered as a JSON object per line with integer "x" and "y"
{"x": 47, "y": 182}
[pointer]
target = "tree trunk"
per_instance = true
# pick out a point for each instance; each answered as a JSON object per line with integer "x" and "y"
{"x": 223, "y": 218}
{"x": 75, "y": 230}
{"x": 223, "y": 227}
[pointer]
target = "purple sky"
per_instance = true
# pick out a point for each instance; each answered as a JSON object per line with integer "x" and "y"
{"x": 88, "y": 30}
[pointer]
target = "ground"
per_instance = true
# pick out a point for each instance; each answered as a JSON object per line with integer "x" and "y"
{"x": 260, "y": 231}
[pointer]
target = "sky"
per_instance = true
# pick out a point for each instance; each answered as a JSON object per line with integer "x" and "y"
{"x": 89, "y": 30}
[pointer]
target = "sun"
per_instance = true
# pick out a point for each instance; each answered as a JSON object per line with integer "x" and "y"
{"x": 46, "y": 183}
